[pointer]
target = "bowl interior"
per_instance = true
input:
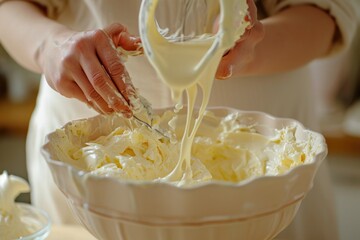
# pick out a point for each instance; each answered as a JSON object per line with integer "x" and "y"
{"x": 114, "y": 197}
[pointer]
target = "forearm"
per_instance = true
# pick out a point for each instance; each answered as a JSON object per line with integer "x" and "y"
{"x": 292, "y": 38}
{"x": 23, "y": 31}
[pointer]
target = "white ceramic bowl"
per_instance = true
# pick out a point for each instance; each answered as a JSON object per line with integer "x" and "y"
{"x": 257, "y": 208}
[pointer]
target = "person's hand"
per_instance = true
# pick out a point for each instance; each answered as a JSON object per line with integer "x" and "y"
{"x": 87, "y": 66}
{"x": 235, "y": 61}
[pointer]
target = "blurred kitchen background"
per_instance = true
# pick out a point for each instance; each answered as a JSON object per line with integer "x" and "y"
{"x": 339, "y": 111}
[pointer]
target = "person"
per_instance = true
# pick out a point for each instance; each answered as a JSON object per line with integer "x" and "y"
{"x": 73, "y": 44}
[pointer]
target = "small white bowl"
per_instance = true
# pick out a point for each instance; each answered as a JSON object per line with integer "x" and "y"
{"x": 37, "y": 221}
{"x": 256, "y": 208}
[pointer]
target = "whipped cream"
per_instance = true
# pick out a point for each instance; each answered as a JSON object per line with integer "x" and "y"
{"x": 224, "y": 149}
{"x": 11, "y": 225}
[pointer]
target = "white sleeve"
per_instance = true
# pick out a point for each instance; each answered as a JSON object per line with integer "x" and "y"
{"x": 341, "y": 10}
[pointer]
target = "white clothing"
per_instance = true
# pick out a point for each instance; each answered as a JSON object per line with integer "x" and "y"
{"x": 283, "y": 95}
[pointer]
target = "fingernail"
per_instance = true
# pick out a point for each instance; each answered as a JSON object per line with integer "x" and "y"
{"x": 127, "y": 114}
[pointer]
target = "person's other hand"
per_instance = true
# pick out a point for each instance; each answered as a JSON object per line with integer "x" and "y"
{"x": 235, "y": 61}
{"x": 87, "y": 66}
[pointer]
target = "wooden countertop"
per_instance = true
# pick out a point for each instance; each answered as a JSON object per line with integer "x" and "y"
{"x": 344, "y": 145}
{"x": 15, "y": 117}
{"x": 61, "y": 232}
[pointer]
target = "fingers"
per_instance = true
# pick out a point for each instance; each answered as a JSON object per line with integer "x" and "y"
{"x": 88, "y": 67}
{"x": 225, "y": 68}
{"x": 72, "y": 90}
{"x": 224, "y": 73}
{"x": 121, "y": 37}
{"x": 129, "y": 42}
{"x": 252, "y": 13}
{"x": 100, "y": 84}
{"x": 92, "y": 97}
{"x": 106, "y": 75}
{"x": 111, "y": 60}
{"x": 241, "y": 58}
{"x": 78, "y": 93}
